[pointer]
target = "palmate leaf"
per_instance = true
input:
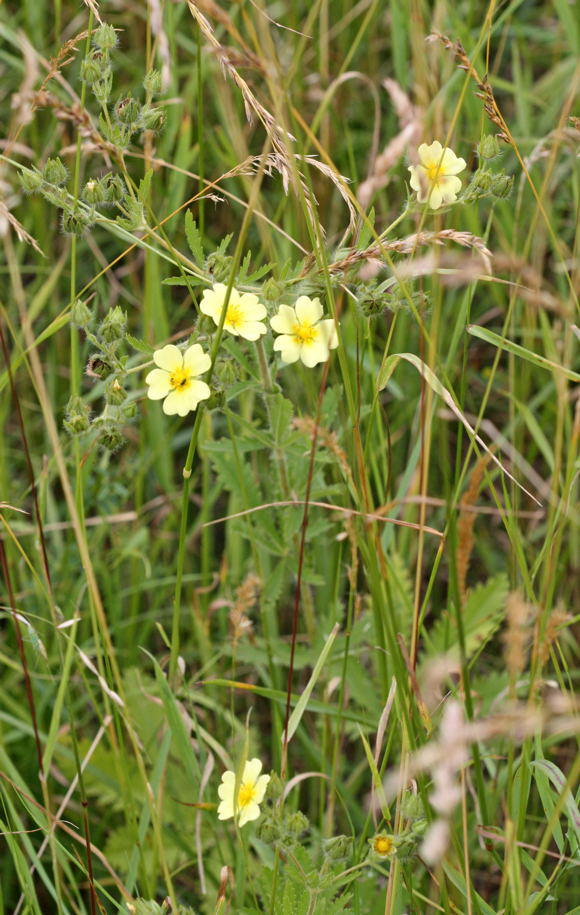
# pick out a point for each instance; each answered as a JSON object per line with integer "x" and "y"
{"x": 481, "y": 615}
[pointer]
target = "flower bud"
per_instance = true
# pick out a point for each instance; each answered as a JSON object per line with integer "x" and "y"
{"x": 273, "y": 290}
{"x": 219, "y": 265}
{"x": 75, "y": 222}
{"x": 130, "y": 410}
{"x": 105, "y": 37}
{"x": 80, "y": 314}
{"x": 501, "y": 186}
{"x": 114, "y": 189}
{"x": 275, "y": 787}
{"x": 114, "y": 325}
{"x": 93, "y": 192}
{"x": 268, "y": 830}
{"x": 93, "y": 66}
{"x": 111, "y": 438}
{"x": 55, "y": 172}
{"x": 297, "y": 823}
{"x": 412, "y": 807}
{"x": 30, "y": 180}
{"x": 152, "y": 82}
{"x": 152, "y": 118}
{"x": 489, "y": 147}
{"x": 98, "y": 367}
{"x": 338, "y": 847}
{"x": 77, "y": 416}
{"x": 127, "y": 110}
{"x": 216, "y": 400}
{"x": 115, "y": 393}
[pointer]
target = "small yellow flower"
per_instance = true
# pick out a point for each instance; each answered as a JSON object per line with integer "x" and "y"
{"x": 303, "y": 335}
{"x": 383, "y": 845}
{"x": 435, "y": 178}
{"x": 244, "y": 314}
{"x": 176, "y": 378}
{"x": 250, "y": 794}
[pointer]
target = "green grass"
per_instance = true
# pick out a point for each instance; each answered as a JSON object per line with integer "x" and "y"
{"x": 365, "y": 573}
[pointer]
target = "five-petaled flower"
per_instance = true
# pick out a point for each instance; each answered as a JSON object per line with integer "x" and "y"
{"x": 176, "y": 378}
{"x": 303, "y": 335}
{"x": 435, "y": 178}
{"x": 243, "y": 800}
{"x": 244, "y": 312}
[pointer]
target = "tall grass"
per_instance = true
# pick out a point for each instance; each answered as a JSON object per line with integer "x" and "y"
{"x": 364, "y": 574}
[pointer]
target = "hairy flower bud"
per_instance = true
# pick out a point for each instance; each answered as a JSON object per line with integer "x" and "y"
{"x": 75, "y": 222}
{"x": 114, "y": 325}
{"x": 114, "y": 189}
{"x": 489, "y": 147}
{"x": 115, "y": 393}
{"x": 338, "y": 847}
{"x": 105, "y": 37}
{"x": 30, "y": 180}
{"x": 297, "y": 823}
{"x": 152, "y": 82}
{"x": 127, "y": 110}
{"x": 55, "y": 172}
{"x": 93, "y": 192}
{"x": 80, "y": 314}
{"x": 152, "y": 118}
{"x": 77, "y": 416}
{"x": 501, "y": 186}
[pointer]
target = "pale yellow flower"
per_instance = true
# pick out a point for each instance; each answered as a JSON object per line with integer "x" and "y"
{"x": 244, "y": 314}
{"x": 435, "y": 178}
{"x": 250, "y": 794}
{"x": 303, "y": 335}
{"x": 176, "y": 378}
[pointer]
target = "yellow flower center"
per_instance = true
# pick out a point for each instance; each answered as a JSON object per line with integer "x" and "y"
{"x": 246, "y": 795}
{"x": 234, "y": 316}
{"x": 304, "y": 333}
{"x": 434, "y": 173}
{"x": 383, "y": 845}
{"x": 180, "y": 379}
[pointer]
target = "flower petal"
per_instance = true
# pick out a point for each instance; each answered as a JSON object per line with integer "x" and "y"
{"x": 308, "y": 311}
{"x": 435, "y": 198}
{"x": 252, "y": 308}
{"x": 261, "y": 785}
{"x": 252, "y": 330}
{"x": 250, "y": 812}
{"x": 314, "y": 353}
{"x": 168, "y": 357}
{"x": 288, "y": 348}
{"x": 415, "y": 178}
{"x": 252, "y": 770}
{"x": 430, "y": 155}
{"x": 159, "y": 386}
{"x": 178, "y": 402}
{"x": 196, "y": 360}
{"x": 198, "y": 390}
{"x": 328, "y": 333}
{"x": 449, "y": 187}
{"x": 284, "y": 321}
{"x": 225, "y": 810}
{"x": 452, "y": 164}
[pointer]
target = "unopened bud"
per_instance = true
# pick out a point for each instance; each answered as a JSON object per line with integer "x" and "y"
{"x": 114, "y": 325}
{"x": 127, "y": 110}
{"x": 152, "y": 82}
{"x": 338, "y": 847}
{"x": 105, "y": 37}
{"x": 489, "y": 147}
{"x": 77, "y": 416}
{"x": 152, "y": 118}
{"x": 115, "y": 393}
{"x": 55, "y": 172}
{"x": 501, "y": 186}
{"x": 80, "y": 314}
{"x": 30, "y": 180}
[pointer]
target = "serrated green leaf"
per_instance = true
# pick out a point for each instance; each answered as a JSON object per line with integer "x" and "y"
{"x": 138, "y": 344}
{"x": 194, "y": 239}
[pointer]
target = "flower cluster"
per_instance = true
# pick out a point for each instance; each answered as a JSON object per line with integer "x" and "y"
{"x": 303, "y": 335}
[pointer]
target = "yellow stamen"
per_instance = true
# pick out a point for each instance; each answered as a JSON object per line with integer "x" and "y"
{"x": 246, "y": 795}
{"x": 180, "y": 379}
{"x": 234, "y": 316}
{"x": 304, "y": 333}
{"x": 433, "y": 173}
